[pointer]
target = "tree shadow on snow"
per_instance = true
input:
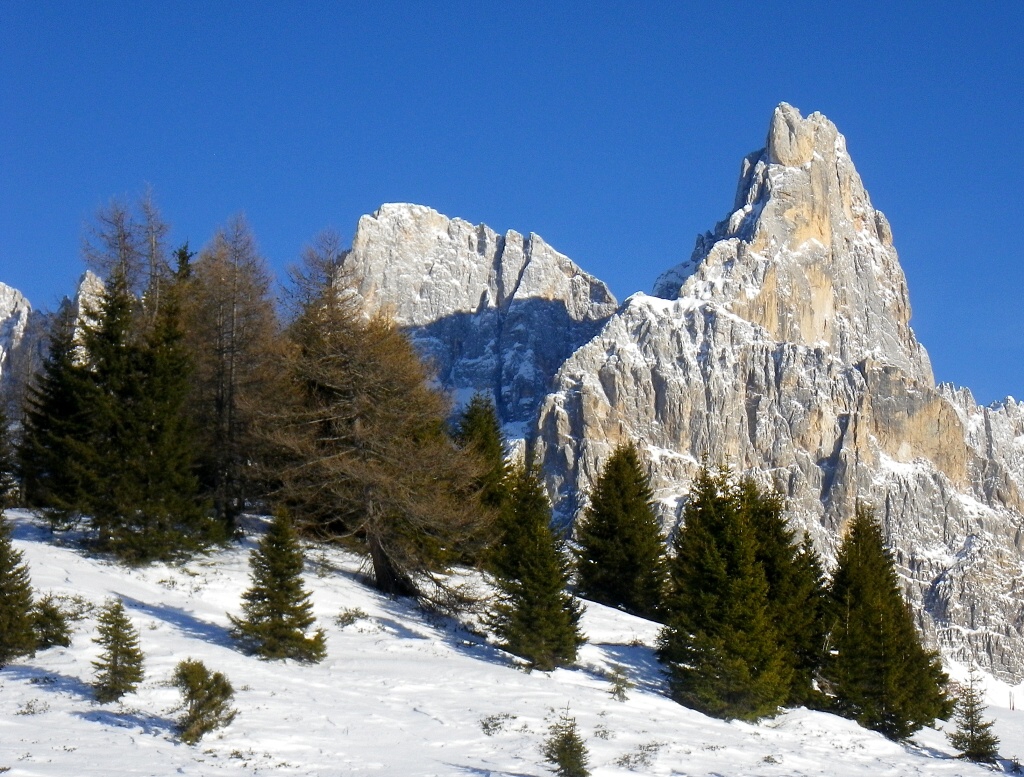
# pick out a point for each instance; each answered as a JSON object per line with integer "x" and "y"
{"x": 475, "y": 770}
{"x": 186, "y": 623}
{"x": 55, "y": 682}
{"x": 148, "y": 724}
{"x": 639, "y": 663}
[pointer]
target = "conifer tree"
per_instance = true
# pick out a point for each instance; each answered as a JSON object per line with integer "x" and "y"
{"x": 56, "y": 426}
{"x": 235, "y": 342}
{"x": 361, "y": 441}
{"x": 119, "y": 668}
{"x": 480, "y": 430}
{"x": 16, "y": 635}
{"x": 207, "y": 700}
{"x": 973, "y": 736}
{"x": 277, "y": 609}
{"x": 877, "y": 669}
{"x": 565, "y": 749}
{"x": 50, "y": 623}
{"x": 795, "y": 588}
{"x": 721, "y": 649}
{"x": 534, "y": 616}
{"x": 621, "y": 555}
{"x": 8, "y": 484}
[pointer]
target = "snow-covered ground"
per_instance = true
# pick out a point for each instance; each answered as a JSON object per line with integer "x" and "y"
{"x": 401, "y": 693}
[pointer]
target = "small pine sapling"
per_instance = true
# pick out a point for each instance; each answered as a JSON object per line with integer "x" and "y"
{"x": 16, "y": 636}
{"x": 51, "y": 624}
{"x": 207, "y": 700}
{"x": 564, "y": 748}
{"x": 119, "y": 668}
{"x": 619, "y": 683}
{"x": 973, "y": 736}
{"x": 277, "y": 608}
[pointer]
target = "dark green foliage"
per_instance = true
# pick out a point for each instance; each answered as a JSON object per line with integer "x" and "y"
{"x": 621, "y": 556}
{"x": 973, "y": 736}
{"x": 51, "y": 623}
{"x": 8, "y": 484}
{"x": 534, "y": 616}
{"x": 57, "y": 427}
{"x": 119, "y": 668}
{"x": 723, "y": 654}
{"x": 877, "y": 669}
{"x": 137, "y": 460}
{"x": 16, "y": 635}
{"x": 207, "y": 700}
{"x": 480, "y": 430}
{"x": 795, "y": 588}
{"x": 277, "y": 608}
{"x": 564, "y": 748}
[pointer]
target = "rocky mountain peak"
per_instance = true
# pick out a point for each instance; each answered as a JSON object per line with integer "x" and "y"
{"x": 804, "y": 254}
{"x": 15, "y": 314}
{"x": 497, "y": 313}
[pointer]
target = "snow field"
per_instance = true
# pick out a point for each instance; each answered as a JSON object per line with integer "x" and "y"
{"x": 401, "y": 692}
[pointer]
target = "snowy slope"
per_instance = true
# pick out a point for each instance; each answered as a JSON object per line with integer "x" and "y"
{"x": 400, "y": 693}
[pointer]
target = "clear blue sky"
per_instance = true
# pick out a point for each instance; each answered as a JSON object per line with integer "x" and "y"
{"x": 615, "y": 132}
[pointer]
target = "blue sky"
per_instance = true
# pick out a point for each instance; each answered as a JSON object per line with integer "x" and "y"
{"x": 615, "y": 132}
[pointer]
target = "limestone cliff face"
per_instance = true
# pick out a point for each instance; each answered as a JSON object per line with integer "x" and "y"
{"x": 494, "y": 313}
{"x": 783, "y": 349}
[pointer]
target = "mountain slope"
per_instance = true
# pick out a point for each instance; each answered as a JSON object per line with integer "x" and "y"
{"x": 400, "y": 693}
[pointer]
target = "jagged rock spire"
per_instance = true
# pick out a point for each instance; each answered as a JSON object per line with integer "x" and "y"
{"x": 804, "y": 253}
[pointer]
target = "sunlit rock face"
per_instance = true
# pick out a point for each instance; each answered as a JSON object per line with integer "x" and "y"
{"x": 783, "y": 349}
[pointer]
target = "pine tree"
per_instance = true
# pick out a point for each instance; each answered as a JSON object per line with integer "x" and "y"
{"x": 534, "y": 616}
{"x": 50, "y": 623}
{"x": 277, "y": 609}
{"x": 564, "y": 748}
{"x": 480, "y": 430}
{"x": 621, "y": 555}
{"x": 207, "y": 700}
{"x": 56, "y": 427}
{"x": 795, "y": 588}
{"x": 119, "y": 668}
{"x": 973, "y": 736}
{"x": 135, "y": 462}
{"x": 16, "y": 635}
{"x": 877, "y": 669}
{"x": 721, "y": 649}
{"x": 8, "y": 483}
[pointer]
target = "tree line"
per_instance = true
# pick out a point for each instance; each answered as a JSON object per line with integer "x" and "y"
{"x": 180, "y": 398}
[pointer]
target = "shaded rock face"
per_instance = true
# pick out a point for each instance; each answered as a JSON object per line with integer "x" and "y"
{"x": 493, "y": 313}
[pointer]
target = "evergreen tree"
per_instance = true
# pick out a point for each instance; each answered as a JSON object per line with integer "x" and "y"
{"x": 8, "y": 484}
{"x": 721, "y": 649}
{"x": 973, "y": 736}
{"x": 877, "y": 669}
{"x": 534, "y": 616}
{"x": 480, "y": 430}
{"x": 119, "y": 668}
{"x": 16, "y": 635}
{"x": 564, "y": 748}
{"x": 795, "y": 588}
{"x": 133, "y": 451}
{"x": 56, "y": 427}
{"x": 207, "y": 699}
{"x": 50, "y": 623}
{"x": 621, "y": 555}
{"x": 277, "y": 609}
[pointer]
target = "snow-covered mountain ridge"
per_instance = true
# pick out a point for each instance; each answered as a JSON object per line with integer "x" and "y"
{"x": 400, "y": 693}
{"x": 782, "y": 348}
